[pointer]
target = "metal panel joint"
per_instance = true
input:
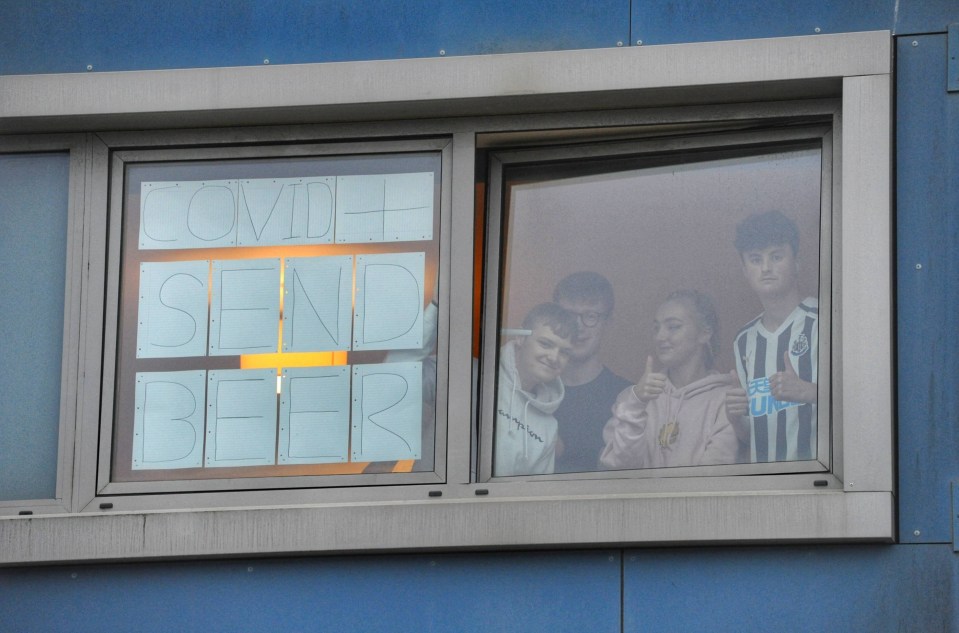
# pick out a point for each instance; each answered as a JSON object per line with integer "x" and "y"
{"x": 955, "y": 514}
{"x": 952, "y": 52}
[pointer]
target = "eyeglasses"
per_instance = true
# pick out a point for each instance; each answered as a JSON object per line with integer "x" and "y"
{"x": 590, "y": 319}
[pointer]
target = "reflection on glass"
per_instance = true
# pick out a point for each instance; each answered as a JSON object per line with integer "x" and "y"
{"x": 644, "y": 258}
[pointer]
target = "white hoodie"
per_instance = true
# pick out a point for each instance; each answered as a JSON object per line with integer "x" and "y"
{"x": 638, "y": 435}
{"x": 525, "y": 437}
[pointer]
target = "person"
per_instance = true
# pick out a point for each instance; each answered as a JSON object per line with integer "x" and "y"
{"x": 529, "y": 391}
{"x": 777, "y": 354}
{"x": 591, "y": 387}
{"x": 675, "y": 415}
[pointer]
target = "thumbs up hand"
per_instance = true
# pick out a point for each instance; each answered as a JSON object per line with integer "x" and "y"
{"x": 787, "y": 386}
{"x": 651, "y": 384}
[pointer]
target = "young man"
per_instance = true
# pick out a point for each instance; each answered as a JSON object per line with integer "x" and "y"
{"x": 777, "y": 354}
{"x": 591, "y": 388}
{"x": 529, "y": 391}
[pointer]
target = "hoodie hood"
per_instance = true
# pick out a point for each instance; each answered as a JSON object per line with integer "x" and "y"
{"x": 546, "y": 397}
{"x": 706, "y": 383}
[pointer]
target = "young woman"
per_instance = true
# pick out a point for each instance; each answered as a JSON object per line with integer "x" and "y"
{"x": 675, "y": 415}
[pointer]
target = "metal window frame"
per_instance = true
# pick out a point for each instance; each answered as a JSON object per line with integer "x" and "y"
{"x": 775, "y": 135}
{"x": 120, "y": 159}
{"x": 473, "y": 101}
{"x": 76, "y": 147}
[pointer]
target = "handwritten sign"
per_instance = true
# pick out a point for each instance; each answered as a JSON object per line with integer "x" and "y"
{"x": 286, "y": 211}
{"x": 315, "y": 415}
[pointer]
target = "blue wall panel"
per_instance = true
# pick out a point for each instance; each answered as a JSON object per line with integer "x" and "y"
{"x": 824, "y": 588}
{"x": 570, "y": 591}
{"x": 927, "y": 156}
{"x": 675, "y": 21}
{"x": 46, "y": 36}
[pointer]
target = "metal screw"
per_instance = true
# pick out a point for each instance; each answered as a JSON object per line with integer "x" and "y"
{"x": 442, "y": 52}
{"x": 817, "y": 30}
{"x": 619, "y": 43}
{"x": 89, "y": 66}
{"x": 73, "y": 575}
{"x": 639, "y": 42}
{"x": 915, "y": 43}
{"x": 918, "y": 266}
{"x": 611, "y": 559}
{"x": 916, "y": 532}
{"x": 266, "y": 61}
{"x": 249, "y": 569}
{"x": 432, "y": 563}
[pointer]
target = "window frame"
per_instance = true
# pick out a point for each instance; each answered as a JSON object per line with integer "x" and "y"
{"x": 120, "y": 160}
{"x": 479, "y": 103}
{"x": 773, "y": 134}
{"x": 76, "y": 147}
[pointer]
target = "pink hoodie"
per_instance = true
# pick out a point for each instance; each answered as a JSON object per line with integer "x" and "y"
{"x": 637, "y": 435}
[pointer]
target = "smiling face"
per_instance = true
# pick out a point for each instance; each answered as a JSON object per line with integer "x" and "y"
{"x": 772, "y": 271}
{"x": 541, "y": 356}
{"x": 593, "y": 316}
{"x": 678, "y": 336}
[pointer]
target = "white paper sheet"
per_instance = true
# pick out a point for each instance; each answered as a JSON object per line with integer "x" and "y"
{"x": 315, "y": 415}
{"x": 245, "y": 311}
{"x": 168, "y": 420}
{"x": 282, "y": 211}
{"x": 317, "y": 303}
{"x": 189, "y": 214}
{"x": 389, "y": 301}
{"x": 384, "y": 207}
{"x": 241, "y": 417}
{"x": 387, "y": 416}
{"x": 172, "y": 309}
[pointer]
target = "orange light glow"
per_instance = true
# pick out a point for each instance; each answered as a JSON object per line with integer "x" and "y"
{"x": 403, "y": 466}
{"x": 293, "y": 359}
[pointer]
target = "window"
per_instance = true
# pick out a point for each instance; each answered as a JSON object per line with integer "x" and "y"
{"x": 277, "y": 319}
{"x": 212, "y": 275}
{"x": 652, "y": 228}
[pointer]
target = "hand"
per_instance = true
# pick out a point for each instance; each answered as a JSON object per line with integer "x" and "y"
{"x": 786, "y": 386}
{"x": 651, "y": 384}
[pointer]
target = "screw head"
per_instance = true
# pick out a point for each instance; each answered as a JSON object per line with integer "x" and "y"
{"x": 442, "y": 52}
{"x": 915, "y": 43}
{"x": 918, "y": 266}
{"x": 619, "y": 43}
{"x": 89, "y": 66}
{"x": 817, "y": 30}
{"x": 639, "y": 42}
{"x": 266, "y": 61}
{"x": 916, "y": 532}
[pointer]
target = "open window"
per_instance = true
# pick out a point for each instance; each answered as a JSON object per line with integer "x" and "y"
{"x": 623, "y": 234}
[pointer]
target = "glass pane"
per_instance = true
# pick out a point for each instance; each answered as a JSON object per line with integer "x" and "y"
{"x": 278, "y": 317}
{"x": 34, "y": 192}
{"x": 641, "y": 294}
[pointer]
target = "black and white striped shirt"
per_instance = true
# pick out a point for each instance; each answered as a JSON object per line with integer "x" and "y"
{"x": 780, "y": 431}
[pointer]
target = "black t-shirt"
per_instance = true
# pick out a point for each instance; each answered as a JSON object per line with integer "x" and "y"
{"x": 581, "y": 418}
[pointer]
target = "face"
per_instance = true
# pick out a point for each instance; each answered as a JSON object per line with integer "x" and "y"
{"x": 541, "y": 357}
{"x": 679, "y": 338}
{"x": 771, "y": 271}
{"x": 593, "y": 316}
